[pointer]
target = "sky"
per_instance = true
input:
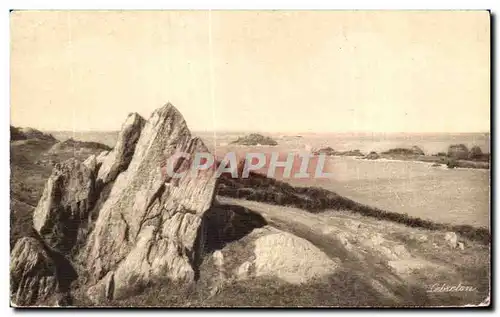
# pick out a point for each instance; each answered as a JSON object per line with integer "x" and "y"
{"x": 274, "y": 71}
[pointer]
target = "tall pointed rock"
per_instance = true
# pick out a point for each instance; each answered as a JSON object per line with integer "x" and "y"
{"x": 151, "y": 224}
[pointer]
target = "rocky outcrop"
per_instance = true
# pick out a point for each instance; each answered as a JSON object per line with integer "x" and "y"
{"x": 327, "y": 151}
{"x": 119, "y": 158}
{"x": 150, "y": 226}
{"x": 255, "y": 139}
{"x": 372, "y": 156}
{"x": 290, "y": 258}
{"x": 32, "y": 273}
{"x": 355, "y": 152}
{"x": 414, "y": 150}
{"x": 331, "y": 152}
{"x": 268, "y": 252}
{"x": 66, "y": 201}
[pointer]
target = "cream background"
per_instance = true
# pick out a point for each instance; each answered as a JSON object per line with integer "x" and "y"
{"x": 290, "y": 71}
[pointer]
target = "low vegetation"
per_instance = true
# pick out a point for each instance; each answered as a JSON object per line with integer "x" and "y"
{"x": 461, "y": 152}
{"x": 76, "y": 144}
{"x": 258, "y": 187}
{"x": 29, "y": 133}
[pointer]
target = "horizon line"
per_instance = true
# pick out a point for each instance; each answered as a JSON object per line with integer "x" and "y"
{"x": 275, "y": 132}
{"x": 291, "y": 132}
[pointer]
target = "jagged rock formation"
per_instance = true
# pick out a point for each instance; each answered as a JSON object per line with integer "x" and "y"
{"x": 136, "y": 221}
{"x": 151, "y": 223}
{"x": 119, "y": 158}
{"x": 32, "y": 272}
{"x": 66, "y": 201}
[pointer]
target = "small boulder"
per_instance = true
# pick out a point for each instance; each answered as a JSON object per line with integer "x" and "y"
{"x": 451, "y": 239}
{"x": 243, "y": 271}
{"x": 290, "y": 258}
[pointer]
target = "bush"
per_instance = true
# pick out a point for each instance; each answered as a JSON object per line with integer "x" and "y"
{"x": 458, "y": 151}
{"x": 475, "y": 153}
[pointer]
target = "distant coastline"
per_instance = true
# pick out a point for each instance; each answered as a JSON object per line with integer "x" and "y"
{"x": 457, "y": 156}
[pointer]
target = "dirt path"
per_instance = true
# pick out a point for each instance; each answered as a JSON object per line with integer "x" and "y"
{"x": 401, "y": 262}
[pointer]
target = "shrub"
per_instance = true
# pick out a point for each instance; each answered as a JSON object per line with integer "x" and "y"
{"x": 477, "y": 154}
{"x": 458, "y": 151}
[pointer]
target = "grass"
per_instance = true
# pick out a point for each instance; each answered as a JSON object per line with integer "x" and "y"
{"x": 71, "y": 143}
{"x": 258, "y": 187}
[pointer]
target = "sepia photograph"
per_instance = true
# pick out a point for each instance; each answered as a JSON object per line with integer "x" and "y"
{"x": 250, "y": 158}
